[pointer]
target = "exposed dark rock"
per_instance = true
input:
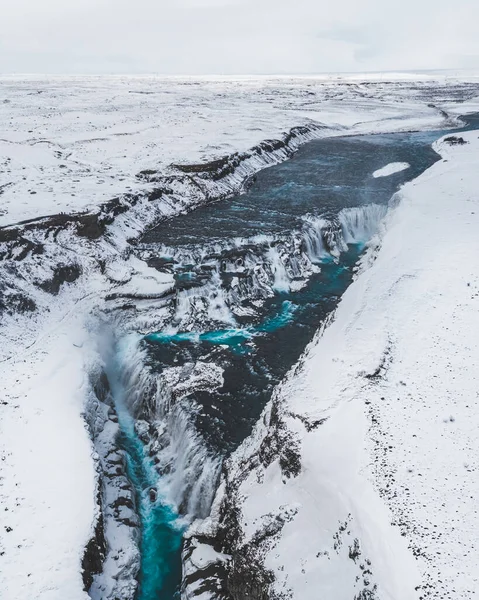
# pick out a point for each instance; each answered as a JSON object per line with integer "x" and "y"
{"x": 229, "y": 533}
{"x": 101, "y": 387}
{"x": 129, "y": 296}
{"x": 366, "y": 594}
{"x": 383, "y": 366}
{"x": 212, "y": 579}
{"x": 355, "y": 550}
{"x": 89, "y": 226}
{"x": 290, "y": 460}
{"x": 455, "y": 140}
{"x": 216, "y": 170}
{"x": 153, "y": 494}
{"x": 146, "y": 174}
{"x": 16, "y": 303}
{"x": 309, "y": 424}
{"x": 115, "y": 496}
{"x": 161, "y": 263}
{"x": 280, "y": 443}
{"x": 95, "y": 551}
{"x": 123, "y": 501}
{"x": 247, "y": 578}
{"x": 62, "y": 274}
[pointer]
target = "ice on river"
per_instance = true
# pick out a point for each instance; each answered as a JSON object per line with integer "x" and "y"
{"x": 391, "y": 168}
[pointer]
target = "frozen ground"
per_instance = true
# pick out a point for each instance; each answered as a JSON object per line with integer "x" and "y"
{"x": 372, "y": 491}
{"x": 68, "y": 145}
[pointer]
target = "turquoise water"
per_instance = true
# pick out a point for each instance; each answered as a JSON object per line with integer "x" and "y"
{"x": 235, "y": 339}
{"x": 161, "y": 527}
{"x": 277, "y": 321}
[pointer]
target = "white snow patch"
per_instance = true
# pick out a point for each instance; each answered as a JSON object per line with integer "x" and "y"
{"x": 391, "y": 168}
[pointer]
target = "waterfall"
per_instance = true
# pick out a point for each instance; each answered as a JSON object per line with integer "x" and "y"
{"x": 312, "y": 234}
{"x": 359, "y": 224}
{"x": 219, "y": 281}
{"x": 219, "y": 291}
{"x": 281, "y": 282}
{"x": 187, "y": 471}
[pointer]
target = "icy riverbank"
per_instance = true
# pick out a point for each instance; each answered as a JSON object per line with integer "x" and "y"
{"x": 360, "y": 480}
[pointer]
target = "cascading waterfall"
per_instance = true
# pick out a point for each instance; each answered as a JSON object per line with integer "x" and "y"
{"x": 172, "y": 472}
{"x": 360, "y": 223}
{"x": 187, "y": 471}
{"x": 163, "y": 382}
{"x": 221, "y": 282}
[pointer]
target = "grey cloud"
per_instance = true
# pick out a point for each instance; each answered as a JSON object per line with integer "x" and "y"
{"x": 236, "y": 36}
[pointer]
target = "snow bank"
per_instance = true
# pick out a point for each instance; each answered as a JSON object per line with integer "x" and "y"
{"x": 361, "y": 479}
{"x": 48, "y": 475}
{"x": 391, "y": 168}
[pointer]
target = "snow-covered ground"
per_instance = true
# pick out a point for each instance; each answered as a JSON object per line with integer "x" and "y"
{"x": 48, "y": 476}
{"x": 372, "y": 489}
{"x": 69, "y": 144}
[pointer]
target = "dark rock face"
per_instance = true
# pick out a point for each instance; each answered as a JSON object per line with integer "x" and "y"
{"x": 217, "y": 170}
{"x": 243, "y": 575}
{"x": 95, "y": 552}
{"x": 115, "y": 503}
{"x": 454, "y": 140}
{"x": 62, "y": 274}
{"x": 245, "y": 583}
{"x": 280, "y": 443}
{"x": 17, "y": 247}
{"x": 16, "y": 303}
{"x": 161, "y": 264}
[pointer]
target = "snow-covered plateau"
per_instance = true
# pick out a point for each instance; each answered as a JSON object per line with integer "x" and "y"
{"x": 359, "y": 480}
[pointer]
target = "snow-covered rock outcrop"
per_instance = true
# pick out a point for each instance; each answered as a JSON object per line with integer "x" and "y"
{"x": 359, "y": 481}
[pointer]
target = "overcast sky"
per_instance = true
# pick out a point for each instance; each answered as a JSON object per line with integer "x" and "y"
{"x": 236, "y": 36}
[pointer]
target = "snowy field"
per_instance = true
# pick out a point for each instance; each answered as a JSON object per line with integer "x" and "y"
{"x": 396, "y": 457}
{"x": 69, "y": 144}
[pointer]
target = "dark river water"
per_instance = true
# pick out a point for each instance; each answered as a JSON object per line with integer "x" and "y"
{"x": 243, "y": 305}
{"x": 324, "y": 175}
